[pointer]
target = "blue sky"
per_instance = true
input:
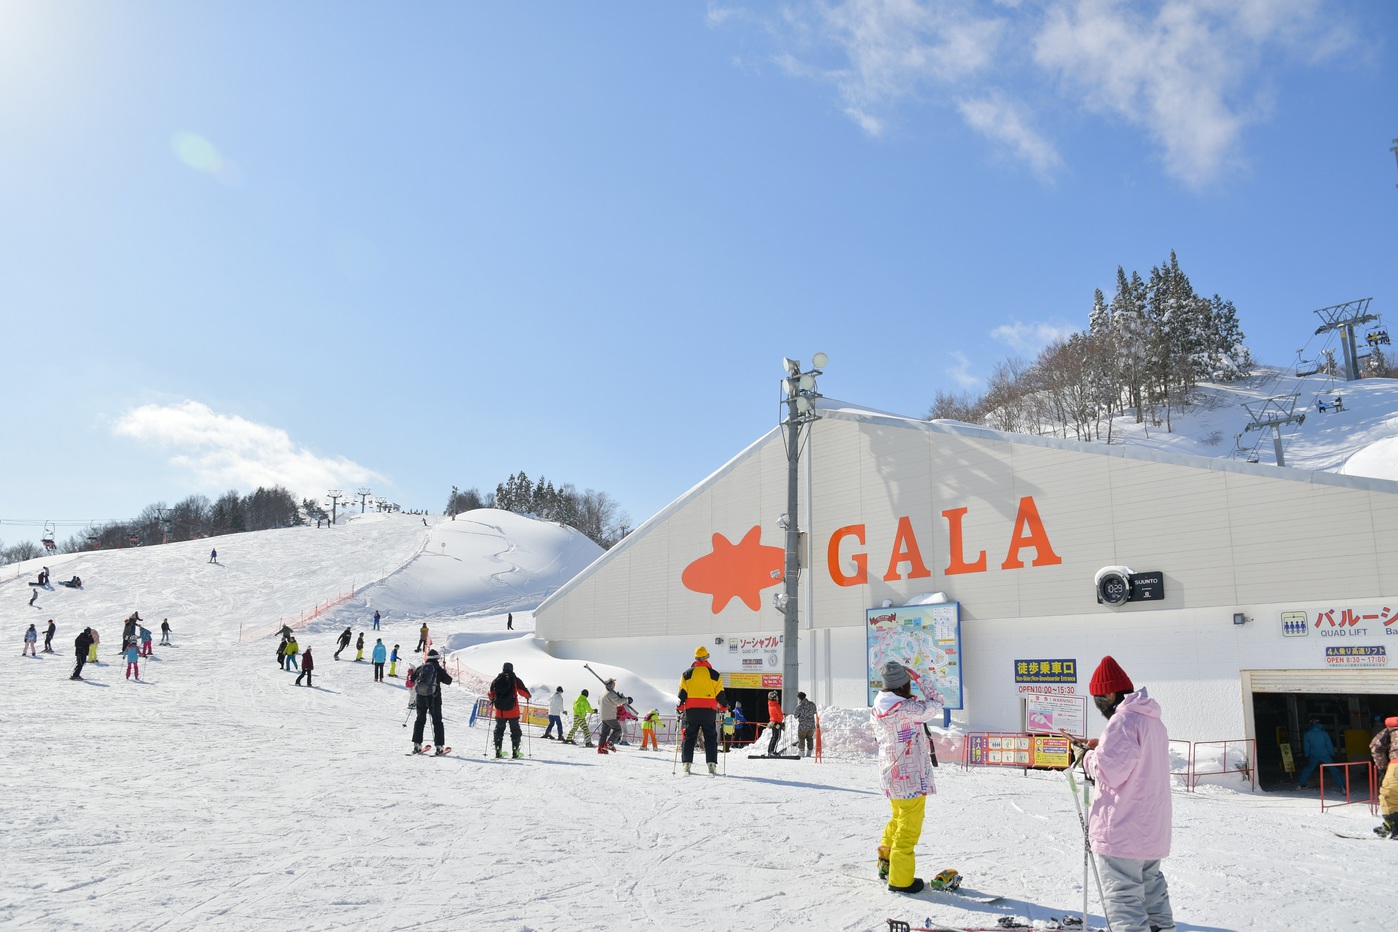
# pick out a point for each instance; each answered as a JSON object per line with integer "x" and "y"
{"x": 406, "y": 247}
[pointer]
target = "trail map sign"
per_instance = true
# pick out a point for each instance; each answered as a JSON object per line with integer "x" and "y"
{"x": 924, "y": 638}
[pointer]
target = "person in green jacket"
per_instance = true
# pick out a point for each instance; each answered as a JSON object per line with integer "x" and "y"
{"x": 581, "y": 709}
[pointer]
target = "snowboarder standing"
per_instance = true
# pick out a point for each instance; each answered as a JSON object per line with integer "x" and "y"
{"x": 1129, "y": 825}
{"x": 805, "y": 726}
{"x": 505, "y": 692}
{"x": 905, "y": 767}
{"x": 307, "y": 665}
{"x": 582, "y": 708}
{"x": 427, "y": 685}
{"x": 48, "y": 637}
{"x": 1384, "y": 747}
{"x": 701, "y": 695}
{"x": 359, "y": 648}
{"x": 776, "y": 722}
{"x": 555, "y": 714}
{"x": 31, "y": 642}
{"x": 345, "y": 636}
{"x": 83, "y": 645}
{"x": 1319, "y": 750}
{"x": 379, "y": 656}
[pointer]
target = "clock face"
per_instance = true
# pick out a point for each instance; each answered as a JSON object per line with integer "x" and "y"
{"x": 1113, "y": 589}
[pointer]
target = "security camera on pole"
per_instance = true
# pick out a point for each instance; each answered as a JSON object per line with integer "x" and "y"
{"x": 799, "y": 394}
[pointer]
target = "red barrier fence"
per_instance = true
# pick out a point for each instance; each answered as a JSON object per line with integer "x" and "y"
{"x": 1248, "y": 765}
{"x": 253, "y": 633}
{"x": 1370, "y": 775}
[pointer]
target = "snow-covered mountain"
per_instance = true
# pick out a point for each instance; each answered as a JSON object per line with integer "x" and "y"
{"x": 213, "y": 794}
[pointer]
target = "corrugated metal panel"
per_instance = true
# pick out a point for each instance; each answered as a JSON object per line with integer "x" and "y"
{"x": 1323, "y": 681}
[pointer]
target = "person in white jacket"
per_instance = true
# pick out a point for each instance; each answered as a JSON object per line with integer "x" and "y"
{"x": 905, "y": 766}
{"x": 555, "y": 713}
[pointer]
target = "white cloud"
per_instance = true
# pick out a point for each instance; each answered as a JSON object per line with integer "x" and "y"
{"x": 1187, "y": 75}
{"x": 1030, "y": 338}
{"x": 1192, "y": 74}
{"x": 226, "y": 451}
{"x": 1005, "y": 121}
{"x": 960, "y": 371}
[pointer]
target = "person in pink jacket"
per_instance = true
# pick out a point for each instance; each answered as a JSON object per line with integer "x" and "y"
{"x": 905, "y": 766}
{"x": 1129, "y": 825}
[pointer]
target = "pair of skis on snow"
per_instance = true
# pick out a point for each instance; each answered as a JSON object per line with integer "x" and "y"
{"x": 428, "y": 752}
{"x": 1006, "y": 924}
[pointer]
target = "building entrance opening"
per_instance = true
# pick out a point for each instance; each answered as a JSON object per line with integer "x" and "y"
{"x": 1282, "y": 719}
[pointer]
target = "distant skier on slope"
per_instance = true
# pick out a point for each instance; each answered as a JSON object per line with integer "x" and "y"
{"x": 82, "y": 646}
{"x": 145, "y": 636}
{"x": 213, "y": 556}
{"x": 31, "y": 642}
{"x": 345, "y": 637}
{"x": 307, "y": 665}
{"x": 393, "y": 662}
{"x": 555, "y": 714}
{"x": 378, "y": 658}
{"x": 611, "y": 728}
{"x": 505, "y": 692}
{"x": 48, "y": 637}
{"x": 359, "y": 647}
{"x": 582, "y": 708}
{"x": 132, "y": 655}
{"x": 165, "y": 633}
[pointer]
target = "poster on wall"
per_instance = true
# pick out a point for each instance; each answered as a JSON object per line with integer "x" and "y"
{"x": 924, "y": 638}
{"x": 1052, "y": 714}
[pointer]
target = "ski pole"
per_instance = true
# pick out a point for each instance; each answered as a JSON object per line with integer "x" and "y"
{"x": 674, "y": 768}
{"x": 1087, "y": 851}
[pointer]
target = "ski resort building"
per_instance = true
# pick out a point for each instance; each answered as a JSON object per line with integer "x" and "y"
{"x": 1248, "y": 598}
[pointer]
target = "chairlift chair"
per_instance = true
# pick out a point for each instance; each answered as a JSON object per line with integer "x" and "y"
{"x": 1307, "y": 367}
{"x": 1377, "y": 337}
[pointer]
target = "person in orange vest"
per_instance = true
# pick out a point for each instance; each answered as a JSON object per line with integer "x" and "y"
{"x": 775, "y": 720}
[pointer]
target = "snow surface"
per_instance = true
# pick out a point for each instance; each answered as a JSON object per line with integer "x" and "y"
{"x": 216, "y": 795}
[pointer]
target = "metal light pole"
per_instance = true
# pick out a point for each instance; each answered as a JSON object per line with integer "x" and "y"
{"x": 799, "y": 394}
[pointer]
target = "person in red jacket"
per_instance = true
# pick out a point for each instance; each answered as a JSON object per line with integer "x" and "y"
{"x": 775, "y": 720}
{"x": 505, "y": 693}
{"x": 307, "y": 665}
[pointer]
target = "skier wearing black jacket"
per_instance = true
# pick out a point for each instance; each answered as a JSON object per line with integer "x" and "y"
{"x": 344, "y": 641}
{"x": 81, "y": 645}
{"x": 428, "y": 686}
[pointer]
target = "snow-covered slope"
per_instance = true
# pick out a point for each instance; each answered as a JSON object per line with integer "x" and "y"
{"x": 215, "y": 795}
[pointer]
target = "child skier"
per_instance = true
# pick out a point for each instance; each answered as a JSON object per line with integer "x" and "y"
{"x": 648, "y": 729}
{"x": 31, "y": 642}
{"x": 132, "y": 654}
{"x": 359, "y": 646}
{"x": 393, "y": 662}
{"x": 145, "y": 642}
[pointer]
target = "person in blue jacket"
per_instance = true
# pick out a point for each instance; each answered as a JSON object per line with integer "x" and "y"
{"x": 379, "y": 655}
{"x": 1319, "y": 749}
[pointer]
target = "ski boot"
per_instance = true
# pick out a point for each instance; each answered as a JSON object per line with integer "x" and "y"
{"x": 914, "y": 887}
{"x": 947, "y": 880}
{"x": 713, "y": 770}
{"x": 687, "y": 769}
{"x": 417, "y": 749}
{"x": 516, "y": 754}
{"x": 1389, "y": 828}
{"x": 883, "y": 862}
{"x": 499, "y": 754}
{"x": 439, "y": 752}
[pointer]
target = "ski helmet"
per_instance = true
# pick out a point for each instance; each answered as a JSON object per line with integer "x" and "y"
{"x": 774, "y": 695}
{"x": 433, "y": 655}
{"x": 559, "y": 689}
{"x": 584, "y": 692}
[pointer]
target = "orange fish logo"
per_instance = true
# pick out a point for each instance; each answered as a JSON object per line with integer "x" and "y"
{"x": 736, "y": 571}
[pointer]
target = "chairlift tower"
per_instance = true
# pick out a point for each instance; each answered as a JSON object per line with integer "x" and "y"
{"x": 334, "y": 495}
{"x": 1344, "y": 318}
{"x": 363, "y": 496}
{"x": 1274, "y": 413}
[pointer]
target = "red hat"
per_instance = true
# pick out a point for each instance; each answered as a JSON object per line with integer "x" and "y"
{"x": 1391, "y": 721}
{"x": 1109, "y": 677}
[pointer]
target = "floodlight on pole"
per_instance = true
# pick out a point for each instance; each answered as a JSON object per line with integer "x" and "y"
{"x": 798, "y": 395}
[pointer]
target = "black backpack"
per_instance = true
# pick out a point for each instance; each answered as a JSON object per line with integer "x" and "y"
{"x": 504, "y": 690}
{"x": 426, "y": 683}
